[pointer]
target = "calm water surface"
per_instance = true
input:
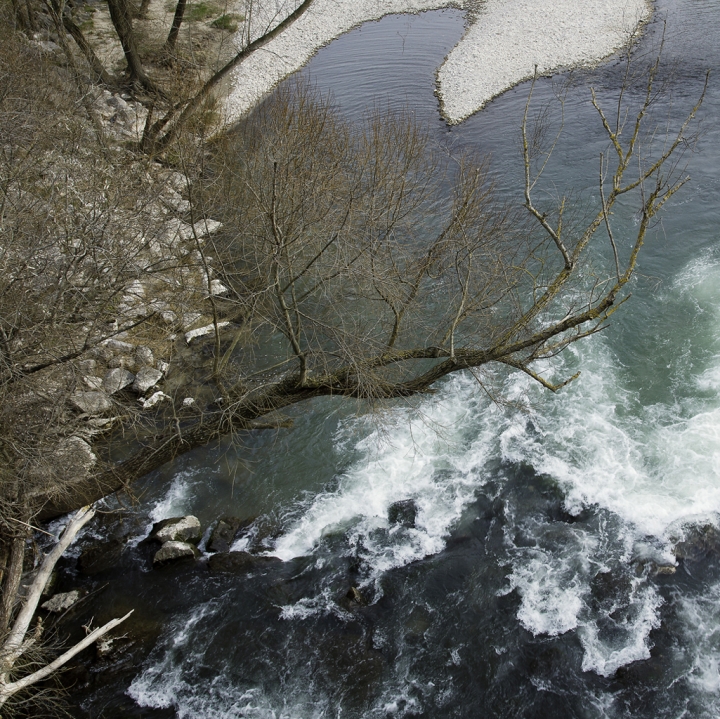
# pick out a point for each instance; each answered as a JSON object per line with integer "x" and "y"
{"x": 525, "y": 587}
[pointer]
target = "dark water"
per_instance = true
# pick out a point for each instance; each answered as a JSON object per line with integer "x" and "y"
{"x": 528, "y": 584}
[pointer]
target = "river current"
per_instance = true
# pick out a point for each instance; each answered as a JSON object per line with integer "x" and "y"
{"x": 538, "y": 578}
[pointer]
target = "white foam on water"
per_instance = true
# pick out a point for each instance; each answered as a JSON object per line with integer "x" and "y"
{"x": 701, "y": 624}
{"x": 174, "y": 503}
{"x": 637, "y": 463}
{"x": 177, "y": 499}
{"x": 411, "y": 460}
{"x": 551, "y": 594}
{"x": 169, "y": 683}
{"x": 594, "y": 439}
{"x": 605, "y": 657}
{"x": 655, "y": 468}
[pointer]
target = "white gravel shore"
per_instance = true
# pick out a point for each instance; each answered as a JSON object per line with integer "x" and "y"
{"x": 501, "y": 47}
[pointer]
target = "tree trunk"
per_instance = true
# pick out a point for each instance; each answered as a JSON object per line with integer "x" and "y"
{"x": 12, "y": 580}
{"x": 175, "y": 29}
{"x": 21, "y": 16}
{"x": 93, "y": 60}
{"x": 175, "y": 119}
{"x": 143, "y": 10}
{"x": 32, "y": 22}
{"x": 122, "y": 20}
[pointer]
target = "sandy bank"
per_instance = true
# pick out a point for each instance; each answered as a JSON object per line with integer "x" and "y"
{"x": 500, "y": 48}
{"x": 510, "y": 37}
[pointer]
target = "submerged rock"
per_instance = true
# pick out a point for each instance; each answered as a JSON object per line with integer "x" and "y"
{"x": 355, "y": 597}
{"x": 177, "y": 529}
{"x": 226, "y": 532}
{"x": 403, "y": 513}
{"x": 237, "y": 562}
{"x": 698, "y": 543}
{"x": 101, "y": 557}
{"x": 172, "y": 551}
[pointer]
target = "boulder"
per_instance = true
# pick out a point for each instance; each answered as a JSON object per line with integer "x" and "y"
{"x": 151, "y": 401}
{"x": 218, "y": 288}
{"x": 173, "y": 551}
{"x": 92, "y": 402}
{"x": 177, "y": 529}
{"x": 87, "y": 366}
{"x": 73, "y": 458}
{"x": 355, "y": 597}
{"x": 93, "y": 383}
{"x": 202, "y": 331}
{"x": 124, "y": 362}
{"x": 144, "y": 356}
{"x": 117, "y": 379}
{"x": 699, "y": 543}
{"x": 60, "y": 602}
{"x": 239, "y": 562}
{"x": 146, "y": 378}
{"x": 227, "y": 530}
{"x": 403, "y": 513}
{"x": 119, "y": 346}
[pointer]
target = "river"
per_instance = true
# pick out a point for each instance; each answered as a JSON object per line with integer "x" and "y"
{"x": 528, "y": 585}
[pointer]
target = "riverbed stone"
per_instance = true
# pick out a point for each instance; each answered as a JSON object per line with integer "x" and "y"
{"x": 117, "y": 379}
{"x": 177, "y": 529}
{"x": 226, "y": 531}
{"x": 173, "y": 551}
{"x": 144, "y": 356}
{"x": 92, "y": 402}
{"x": 146, "y": 378}
{"x": 101, "y": 557}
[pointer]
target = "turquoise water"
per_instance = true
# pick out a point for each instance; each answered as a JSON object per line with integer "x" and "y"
{"x": 526, "y": 587}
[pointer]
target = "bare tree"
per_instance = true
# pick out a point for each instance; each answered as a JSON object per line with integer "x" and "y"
{"x": 122, "y": 20}
{"x": 362, "y": 264}
{"x": 17, "y": 643}
{"x": 175, "y": 27}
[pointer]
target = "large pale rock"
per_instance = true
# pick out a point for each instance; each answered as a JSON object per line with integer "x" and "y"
{"x": 172, "y": 551}
{"x": 151, "y": 401}
{"x": 177, "y": 529}
{"x": 117, "y": 379}
{"x": 60, "y": 602}
{"x": 75, "y": 455}
{"x": 202, "y": 331}
{"x": 93, "y": 383}
{"x": 87, "y": 366}
{"x": 144, "y": 356}
{"x": 92, "y": 402}
{"x": 146, "y": 378}
{"x": 119, "y": 346}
